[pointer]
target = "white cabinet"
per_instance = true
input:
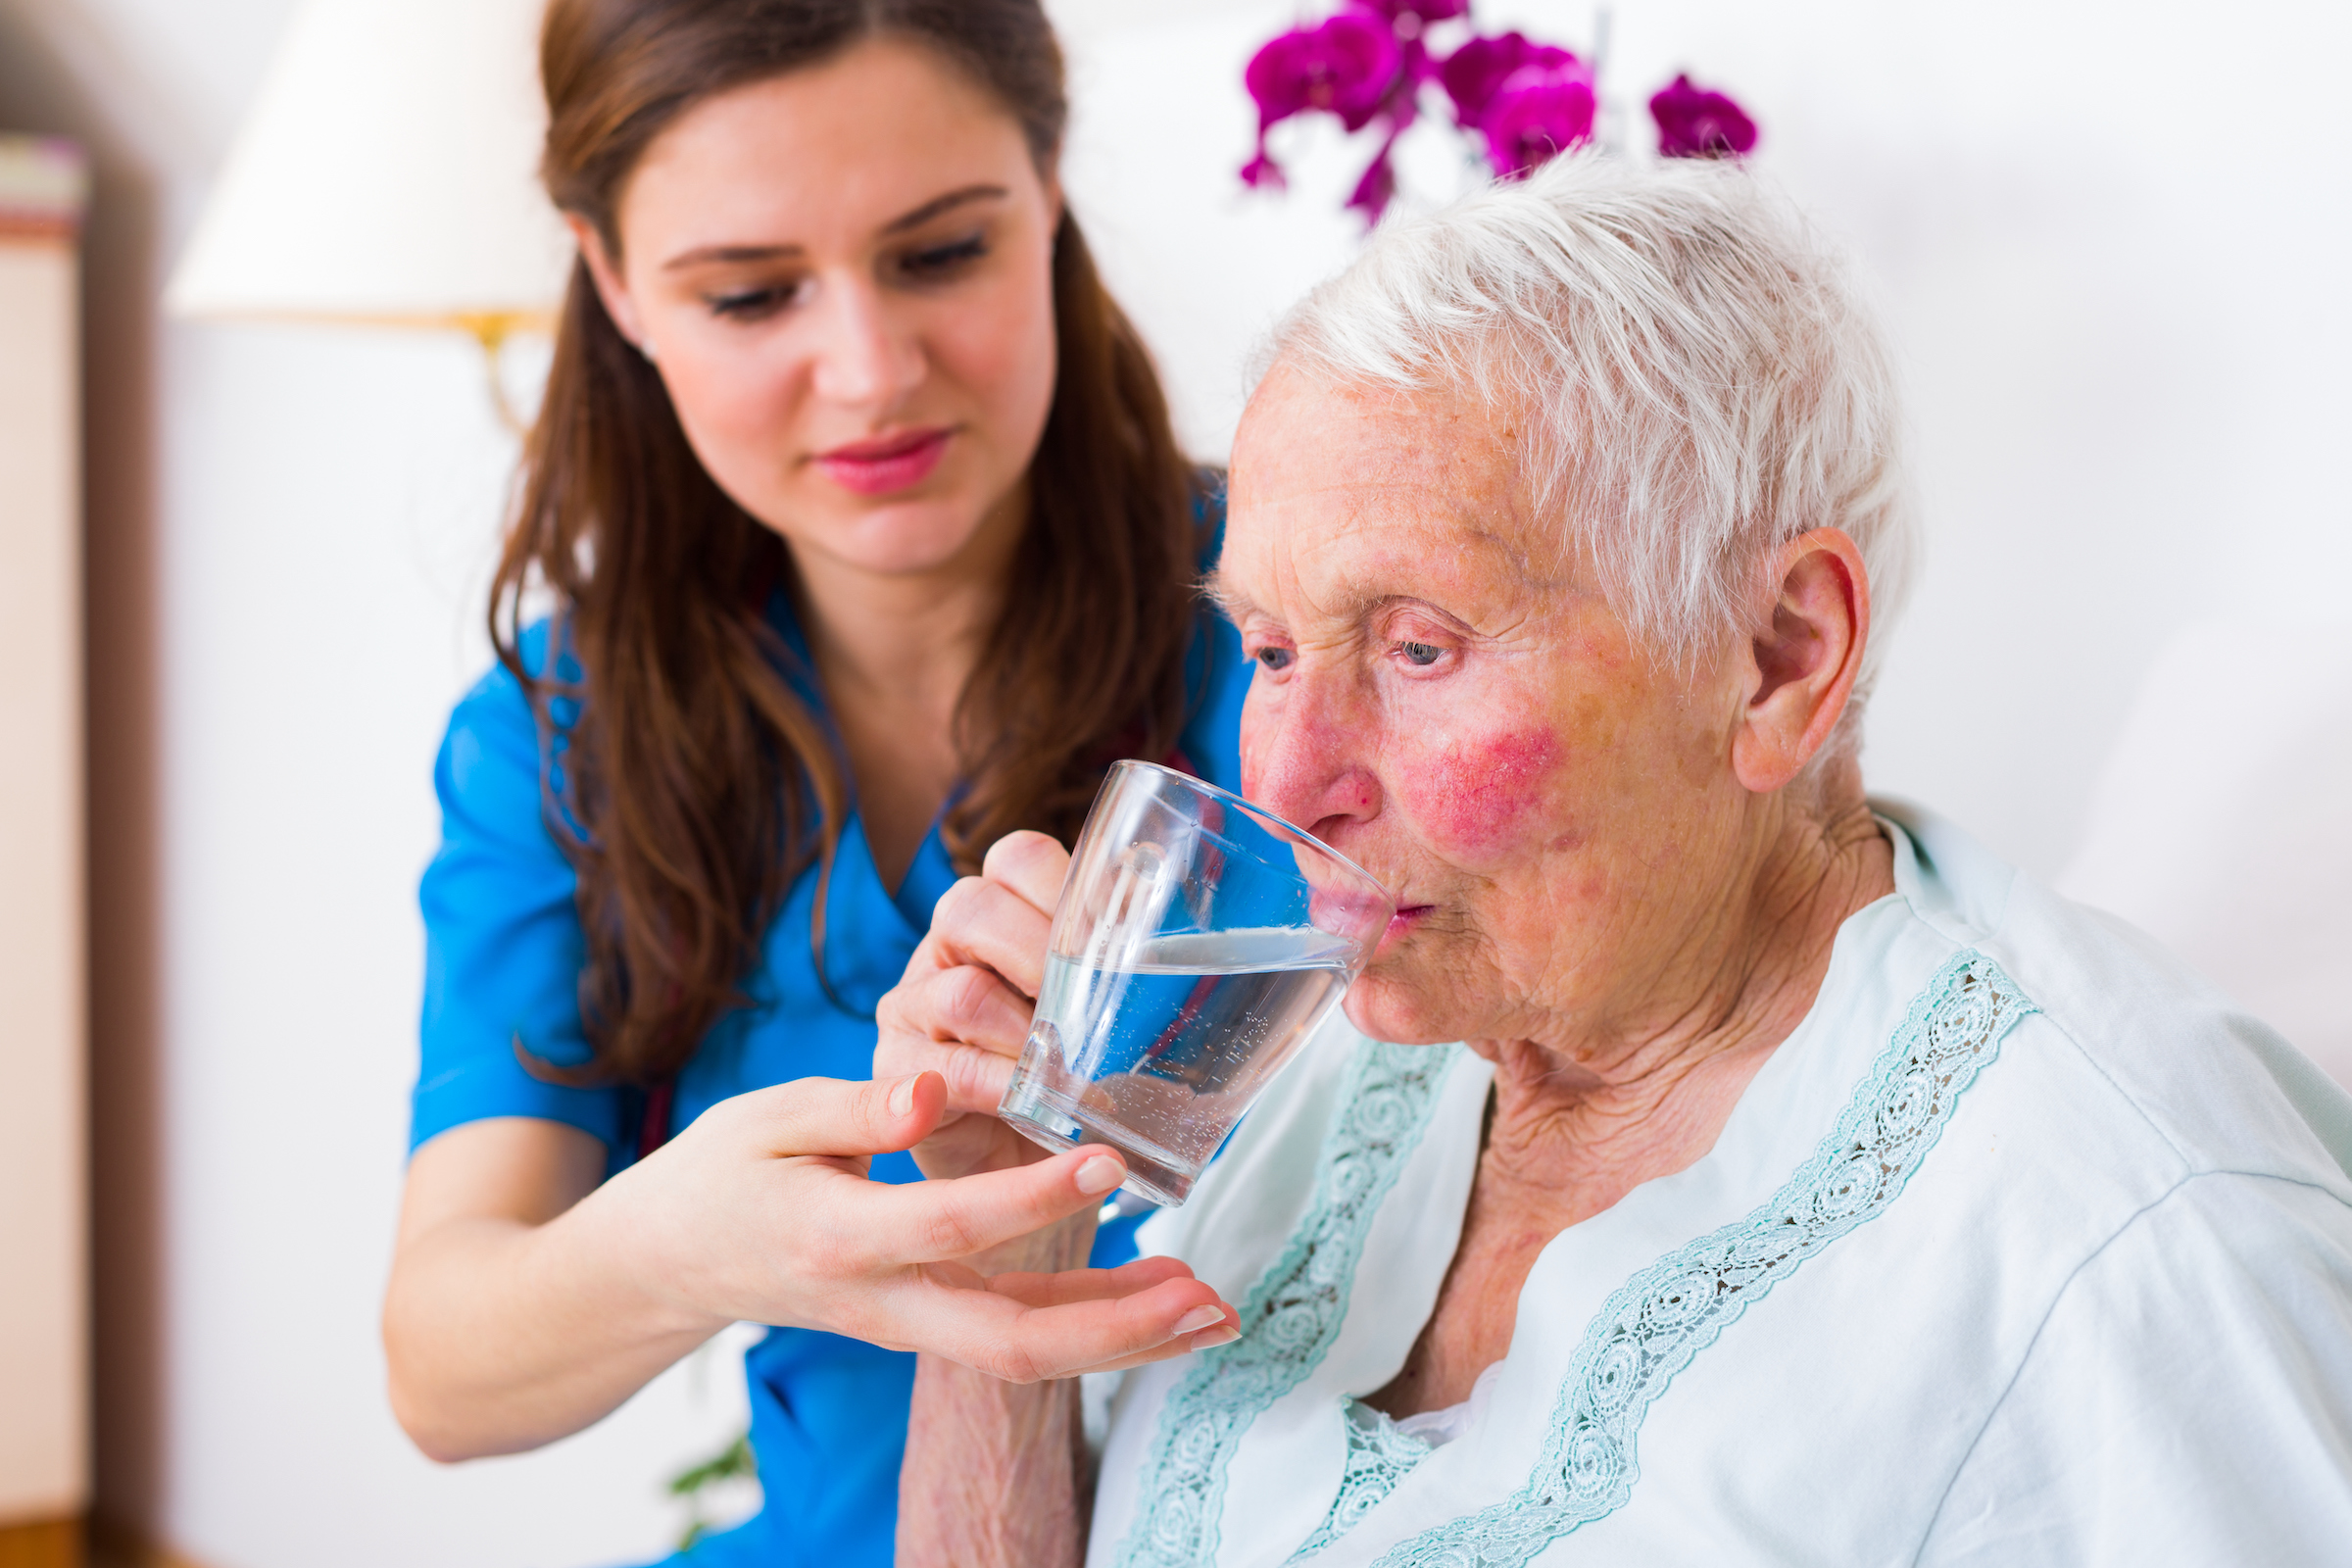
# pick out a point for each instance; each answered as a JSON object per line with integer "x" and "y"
{"x": 44, "y": 1307}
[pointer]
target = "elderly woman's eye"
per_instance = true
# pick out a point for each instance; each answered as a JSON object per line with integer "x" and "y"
{"x": 1424, "y": 654}
{"x": 1275, "y": 658}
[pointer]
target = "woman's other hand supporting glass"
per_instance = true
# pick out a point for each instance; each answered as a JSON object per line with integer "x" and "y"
{"x": 760, "y": 1211}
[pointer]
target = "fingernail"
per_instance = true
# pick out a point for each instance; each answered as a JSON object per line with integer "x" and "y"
{"x": 1216, "y": 1337}
{"x": 902, "y": 1098}
{"x": 1100, "y": 1175}
{"x": 1199, "y": 1317}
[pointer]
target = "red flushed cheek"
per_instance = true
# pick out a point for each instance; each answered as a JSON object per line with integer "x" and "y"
{"x": 1486, "y": 795}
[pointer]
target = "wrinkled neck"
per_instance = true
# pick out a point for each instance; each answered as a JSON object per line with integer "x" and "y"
{"x": 1600, "y": 1106}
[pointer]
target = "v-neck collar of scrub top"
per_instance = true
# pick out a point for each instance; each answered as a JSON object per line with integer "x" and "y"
{"x": 855, "y": 888}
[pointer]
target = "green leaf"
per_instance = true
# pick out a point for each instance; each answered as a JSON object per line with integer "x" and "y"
{"x": 733, "y": 1461}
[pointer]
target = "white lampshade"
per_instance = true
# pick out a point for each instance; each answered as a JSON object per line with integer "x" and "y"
{"x": 387, "y": 174}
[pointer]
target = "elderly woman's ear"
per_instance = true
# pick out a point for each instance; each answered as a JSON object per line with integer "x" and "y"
{"x": 1801, "y": 667}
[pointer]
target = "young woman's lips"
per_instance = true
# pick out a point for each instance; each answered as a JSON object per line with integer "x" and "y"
{"x": 893, "y": 463}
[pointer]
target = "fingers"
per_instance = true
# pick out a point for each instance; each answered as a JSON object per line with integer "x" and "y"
{"x": 1165, "y": 1320}
{"x": 967, "y": 1006}
{"x": 964, "y": 1022}
{"x": 1202, "y": 1328}
{"x": 1031, "y": 864}
{"x": 1020, "y": 1343}
{"x": 947, "y": 1219}
{"x": 970, "y": 982}
{"x": 977, "y": 1079}
{"x": 829, "y": 1116}
{"x": 1088, "y": 1283}
{"x": 986, "y": 922}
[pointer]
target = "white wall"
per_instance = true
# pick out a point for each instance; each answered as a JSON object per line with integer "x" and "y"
{"x": 339, "y": 489}
{"x": 2108, "y": 240}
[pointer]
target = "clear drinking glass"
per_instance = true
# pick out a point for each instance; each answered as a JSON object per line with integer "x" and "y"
{"x": 1198, "y": 942}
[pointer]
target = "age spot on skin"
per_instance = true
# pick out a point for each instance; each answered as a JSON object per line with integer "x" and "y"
{"x": 1483, "y": 795}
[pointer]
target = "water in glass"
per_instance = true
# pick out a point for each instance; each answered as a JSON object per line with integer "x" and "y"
{"x": 1157, "y": 1051}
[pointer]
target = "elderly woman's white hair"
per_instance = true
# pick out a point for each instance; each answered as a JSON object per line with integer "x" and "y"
{"x": 1701, "y": 383}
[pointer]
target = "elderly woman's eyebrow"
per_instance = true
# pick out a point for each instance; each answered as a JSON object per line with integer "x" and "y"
{"x": 1219, "y": 590}
{"x": 1360, "y": 609}
{"x": 1237, "y": 605}
{"x": 1376, "y": 606}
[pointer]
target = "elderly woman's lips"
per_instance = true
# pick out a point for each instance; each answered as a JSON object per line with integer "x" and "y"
{"x": 1404, "y": 920}
{"x": 879, "y": 467}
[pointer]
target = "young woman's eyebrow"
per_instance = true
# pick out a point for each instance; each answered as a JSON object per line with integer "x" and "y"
{"x": 702, "y": 255}
{"x": 942, "y": 204}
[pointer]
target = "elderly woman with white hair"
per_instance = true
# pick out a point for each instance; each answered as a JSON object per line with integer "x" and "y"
{"x": 1804, "y": 1184}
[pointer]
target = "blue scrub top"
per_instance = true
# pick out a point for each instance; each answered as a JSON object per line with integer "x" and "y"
{"x": 502, "y": 955}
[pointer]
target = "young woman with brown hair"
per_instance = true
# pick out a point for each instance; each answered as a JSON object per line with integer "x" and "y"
{"x": 861, "y": 540}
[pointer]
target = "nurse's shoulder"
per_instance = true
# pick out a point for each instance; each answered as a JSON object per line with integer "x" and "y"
{"x": 499, "y": 766}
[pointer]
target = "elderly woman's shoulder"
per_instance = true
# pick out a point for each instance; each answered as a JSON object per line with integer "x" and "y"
{"x": 2157, "y": 1067}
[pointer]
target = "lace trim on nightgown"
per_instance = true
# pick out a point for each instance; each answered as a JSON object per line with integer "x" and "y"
{"x": 1294, "y": 1311}
{"x": 1382, "y": 1452}
{"x": 1658, "y": 1320}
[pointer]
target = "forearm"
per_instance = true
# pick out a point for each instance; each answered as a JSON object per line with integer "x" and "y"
{"x": 500, "y": 1335}
{"x": 992, "y": 1477}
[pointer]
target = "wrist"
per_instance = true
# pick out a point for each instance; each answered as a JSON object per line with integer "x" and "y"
{"x": 619, "y": 1255}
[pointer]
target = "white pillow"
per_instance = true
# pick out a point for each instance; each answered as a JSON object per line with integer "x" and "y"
{"x": 2221, "y": 823}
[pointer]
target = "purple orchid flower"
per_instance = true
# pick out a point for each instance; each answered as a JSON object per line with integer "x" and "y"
{"x": 1473, "y": 73}
{"x": 1425, "y": 12}
{"x": 1528, "y": 101}
{"x": 1693, "y": 123}
{"x": 1277, "y": 76}
{"x": 1378, "y": 187}
{"x": 1347, "y": 65}
{"x": 1537, "y": 111}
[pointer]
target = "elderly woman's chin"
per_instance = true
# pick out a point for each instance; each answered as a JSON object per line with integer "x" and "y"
{"x": 1410, "y": 996}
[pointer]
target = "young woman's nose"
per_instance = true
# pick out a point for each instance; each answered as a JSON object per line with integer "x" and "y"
{"x": 1305, "y": 760}
{"x": 863, "y": 357}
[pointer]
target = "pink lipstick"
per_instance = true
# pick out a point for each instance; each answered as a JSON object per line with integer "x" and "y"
{"x": 891, "y": 462}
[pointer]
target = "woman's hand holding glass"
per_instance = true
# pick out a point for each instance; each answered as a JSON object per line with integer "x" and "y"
{"x": 964, "y": 1006}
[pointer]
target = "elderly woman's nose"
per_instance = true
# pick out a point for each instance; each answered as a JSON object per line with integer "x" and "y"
{"x": 863, "y": 357}
{"x": 1304, "y": 763}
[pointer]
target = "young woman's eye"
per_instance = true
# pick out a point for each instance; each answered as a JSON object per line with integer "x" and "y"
{"x": 941, "y": 260}
{"x": 1275, "y": 657}
{"x": 1421, "y": 653}
{"x": 752, "y": 304}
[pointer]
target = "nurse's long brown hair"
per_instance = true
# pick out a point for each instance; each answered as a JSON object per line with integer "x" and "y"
{"x": 697, "y": 785}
